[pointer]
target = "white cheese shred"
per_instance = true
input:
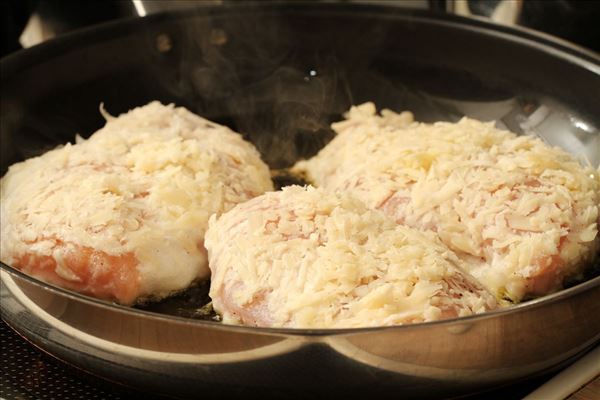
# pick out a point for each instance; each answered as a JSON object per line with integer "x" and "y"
{"x": 523, "y": 215}
{"x": 122, "y": 215}
{"x": 309, "y": 258}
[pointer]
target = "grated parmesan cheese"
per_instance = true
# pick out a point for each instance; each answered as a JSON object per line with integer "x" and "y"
{"x": 138, "y": 192}
{"x": 523, "y": 214}
{"x": 308, "y": 258}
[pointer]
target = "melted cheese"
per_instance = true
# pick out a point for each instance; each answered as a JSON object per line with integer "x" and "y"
{"x": 305, "y": 257}
{"x": 146, "y": 183}
{"x": 519, "y": 211}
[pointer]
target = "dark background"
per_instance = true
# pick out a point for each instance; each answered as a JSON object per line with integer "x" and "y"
{"x": 573, "y": 20}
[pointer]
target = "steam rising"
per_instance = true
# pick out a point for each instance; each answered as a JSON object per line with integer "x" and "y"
{"x": 280, "y": 76}
{"x": 281, "y": 84}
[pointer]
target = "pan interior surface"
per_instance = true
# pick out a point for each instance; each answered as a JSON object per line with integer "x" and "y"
{"x": 264, "y": 73}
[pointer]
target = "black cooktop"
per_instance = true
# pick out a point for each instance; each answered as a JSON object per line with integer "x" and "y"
{"x": 27, "y": 373}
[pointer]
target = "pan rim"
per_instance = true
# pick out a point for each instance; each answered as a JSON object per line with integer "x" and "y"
{"x": 16, "y": 62}
{"x": 529, "y": 305}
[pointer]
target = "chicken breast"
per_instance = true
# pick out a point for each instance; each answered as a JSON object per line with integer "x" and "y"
{"x": 523, "y": 215}
{"x": 308, "y": 258}
{"x": 122, "y": 215}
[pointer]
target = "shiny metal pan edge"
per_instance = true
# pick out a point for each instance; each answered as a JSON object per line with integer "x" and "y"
{"x": 456, "y": 356}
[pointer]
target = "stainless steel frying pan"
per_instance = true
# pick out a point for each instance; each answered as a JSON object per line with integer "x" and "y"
{"x": 280, "y": 74}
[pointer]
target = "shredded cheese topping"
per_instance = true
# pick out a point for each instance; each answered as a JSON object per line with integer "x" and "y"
{"x": 306, "y": 258}
{"x": 146, "y": 184}
{"x": 523, "y": 214}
